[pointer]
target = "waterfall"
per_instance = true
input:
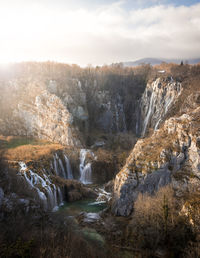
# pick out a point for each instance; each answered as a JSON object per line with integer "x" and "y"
{"x": 154, "y": 107}
{"x": 103, "y": 196}
{"x": 150, "y": 108}
{"x": 68, "y": 168}
{"x": 46, "y": 190}
{"x": 60, "y": 196}
{"x": 62, "y": 168}
{"x": 55, "y": 163}
{"x": 85, "y": 169}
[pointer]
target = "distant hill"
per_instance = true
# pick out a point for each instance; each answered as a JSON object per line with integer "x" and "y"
{"x": 156, "y": 61}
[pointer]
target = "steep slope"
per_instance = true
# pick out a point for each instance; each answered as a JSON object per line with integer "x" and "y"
{"x": 170, "y": 155}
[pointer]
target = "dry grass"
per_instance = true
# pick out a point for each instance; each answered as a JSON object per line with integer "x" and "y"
{"x": 157, "y": 224}
{"x": 29, "y": 152}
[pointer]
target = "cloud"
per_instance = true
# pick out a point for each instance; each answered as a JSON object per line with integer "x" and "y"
{"x": 109, "y": 33}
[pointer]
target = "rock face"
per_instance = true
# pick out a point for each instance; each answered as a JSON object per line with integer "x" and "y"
{"x": 111, "y": 112}
{"x": 45, "y": 117}
{"x": 170, "y": 155}
{"x": 158, "y": 98}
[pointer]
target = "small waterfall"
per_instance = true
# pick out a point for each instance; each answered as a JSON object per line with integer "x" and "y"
{"x": 62, "y": 168}
{"x": 85, "y": 169}
{"x": 47, "y": 191}
{"x": 68, "y": 168}
{"x": 103, "y": 196}
{"x": 55, "y": 163}
{"x": 60, "y": 196}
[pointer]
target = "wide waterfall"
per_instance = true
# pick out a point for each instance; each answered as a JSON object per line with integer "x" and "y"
{"x": 85, "y": 169}
{"x": 49, "y": 194}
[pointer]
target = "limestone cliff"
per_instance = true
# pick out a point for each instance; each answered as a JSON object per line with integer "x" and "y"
{"x": 170, "y": 155}
{"x": 39, "y": 114}
{"x": 159, "y": 96}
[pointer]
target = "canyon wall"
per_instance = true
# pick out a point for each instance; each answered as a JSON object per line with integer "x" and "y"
{"x": 170, "y": 156}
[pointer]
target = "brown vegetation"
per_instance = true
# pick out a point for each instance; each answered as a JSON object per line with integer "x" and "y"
{"x": 26, "y": 149}
{"x": 158, "y": 226}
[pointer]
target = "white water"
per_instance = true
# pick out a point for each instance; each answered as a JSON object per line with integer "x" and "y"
{"x": 103, "y": 197}
{"x": 85, "y": 169}
{"x": 61, "y": 168}
{"x": 150, "y": 108}
{"x": 68, "y": 168}
{"x": 46, "y": 190}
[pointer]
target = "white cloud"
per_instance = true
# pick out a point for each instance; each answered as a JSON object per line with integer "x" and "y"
{"x": 107, "y": 34}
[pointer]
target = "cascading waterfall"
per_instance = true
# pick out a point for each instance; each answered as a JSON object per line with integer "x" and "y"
{"x": 85, "y": 169}
{"x": 68, "y": 168}
{"x": 60, "y": 169}
{"x": 103, "y": 196}
{"x": 46, "y": 190}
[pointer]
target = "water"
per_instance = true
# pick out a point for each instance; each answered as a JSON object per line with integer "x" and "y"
{"x": 150, "y": 109}
{"x": 61, "y": 170}
{"x": 85, "y": 169}
{"x": 55, "y": 164}
{"x": 68, "y": 168}
{"x": 75, "y": 208}
{"x": 46, "y": 190}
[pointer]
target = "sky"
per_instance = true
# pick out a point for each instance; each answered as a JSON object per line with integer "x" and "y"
{"x": 98, "y": 32}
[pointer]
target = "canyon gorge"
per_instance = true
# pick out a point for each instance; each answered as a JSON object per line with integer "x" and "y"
{"x": 111, "y": 138}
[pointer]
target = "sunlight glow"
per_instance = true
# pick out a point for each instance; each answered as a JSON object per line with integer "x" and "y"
{"x": 105, "y": 34}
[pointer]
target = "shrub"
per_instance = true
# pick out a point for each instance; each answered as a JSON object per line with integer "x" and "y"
{"x": 157, "y": 223}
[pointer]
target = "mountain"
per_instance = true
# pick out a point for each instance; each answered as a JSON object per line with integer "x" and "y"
{"x": 157, "y": 61}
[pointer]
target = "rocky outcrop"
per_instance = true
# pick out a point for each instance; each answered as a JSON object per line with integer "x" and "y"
{"x": 44, "y": 118}
{"x": 170, "y": 155}
{"x": 158, "y": 98}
